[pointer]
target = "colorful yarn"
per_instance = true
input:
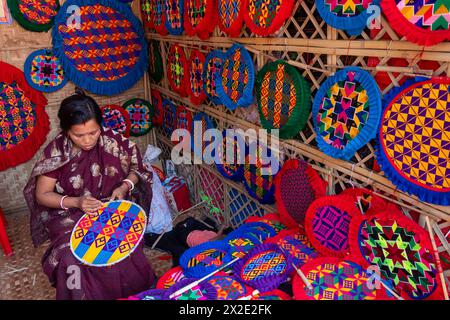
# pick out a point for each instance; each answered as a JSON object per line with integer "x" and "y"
{"x": 199, "y": 17}
{"x": 265, "y": 17}
{"x": 169, "y": 278}
{"x": 44, "y": 71}
{"x": 284, "y": 98}
{"x": 157, "y": 102}
{"x": 241, "y": 242}
{"x": 141, "y": 114}
{"x": 177, "y": 70}
{"x": 195, "y": 67}
{"x": 197, "y": 146}
{"x": 170, "y": 116}
{"x": 346, "y": 112}
{"x": 231, "y": 16}
{"x": 211, "y": 75}
{"x": 34, "y": 15}
{"x": 231, "y": 170}
{"x": 174, "y": 10}
{"x": 202, "y": 291}
{"x": 228, "y": 288}
{"x": 116, "y": 118}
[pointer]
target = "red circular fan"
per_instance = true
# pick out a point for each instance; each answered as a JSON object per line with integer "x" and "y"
{"x": 177, "y": 69}
{"x": 169, "y": 278}
{"x": 231, "y": 16}
{"x": 402, "y": 251}
{"x": 159, "y": 20}
{"x": 272, "y": 219}
{"x": 199, "y": 17}
{"x": 333, "y": 278}
{"x": 296, "y": 186}
{"x": 195, "y": 77}
{"x": 184, "y": 118}
{"x": 365, "y": 199}
{"x": 157, "y": 103}
{"x": 265, "y": 17}
{"x": 327, "y": 224}
{"x": 148, "y": 13}
{"x": 116, "y": 118}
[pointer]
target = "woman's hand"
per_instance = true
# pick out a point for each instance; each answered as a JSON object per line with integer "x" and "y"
{"x": 120, "y": 193}
{"x": 89, "y": 204}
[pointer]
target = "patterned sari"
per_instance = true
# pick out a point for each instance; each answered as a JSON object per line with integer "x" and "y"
{"x": 96, "y": 172}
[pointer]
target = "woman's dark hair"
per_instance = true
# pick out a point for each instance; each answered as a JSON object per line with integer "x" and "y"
{"x": 77, "y": 109}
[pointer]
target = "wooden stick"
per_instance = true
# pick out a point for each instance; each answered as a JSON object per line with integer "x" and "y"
{"x": 193, "y": 284}
{"x": 436, "y": 256}
{"x": 303, "y": 277}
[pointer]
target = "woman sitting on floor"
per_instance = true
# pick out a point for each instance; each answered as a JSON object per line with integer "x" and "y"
{"x": 84, "y": 164}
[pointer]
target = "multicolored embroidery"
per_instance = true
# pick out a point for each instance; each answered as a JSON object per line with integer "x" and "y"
{"x": 34, "y": 15}
{"x": 170, "y": 116}
{"x": 265, "y": 17}
{"x": 106, "y": 53}
{"x": 230, "y": 169}
{"x": 203, "y": 122}
{"x": 157, "y": 102}
{"x": 199, "y": 17}
{"x": 231, "y": 16}
{"x": 241, "y": 242}
{"x": 171, "y": 277}
{"x": 235, "y": 88}
{"x": 44, "y": 71}
{"x": 422, "y": 22}
{"x": 116, "y": 118}
{"x": 174, "y": 16}
{"x": 346, "y": 112}
{"x": 177, "y": 70}
{"x": 211, "y": 75}
{"x": 227, "y": 288}
{"x": 110, "y": 236}
{"x": 201, "y": 291}
{"x": 184, "y": 118}
{"x": 284, "y": 98}
{"x": 195, "y": 65}
{"x": 141, "y": 114}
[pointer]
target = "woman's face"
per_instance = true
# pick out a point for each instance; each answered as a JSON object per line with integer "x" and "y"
{"x": 85, "y": 135}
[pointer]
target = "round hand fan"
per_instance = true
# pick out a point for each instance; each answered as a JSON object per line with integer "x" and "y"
{"x": 195, "y": 77}
{"x": 174, "y": 22}
{"x": 177, "y": 69}
{"x": 169, "y": 278}
{"x": 237, "y": 78}
{"x": 327, "y": 224}
{"x": 232, "y": 170}
{"x": 157, "y": 102}
{"x": 336, "y": 279}
{"x": 296, "y": 186}
{"x": 284, "y": 98}
{"x": 198, "y": 146}
{"x": 44, "y": 71}
{"x": 365, "y": 199}
{"x": 110, "y": 236}
{"x": 205, "y": 258}
{"x": 231, "y": 16}
{"x": 169, "y": 116}
{"x": 228, "y": 288}
{"x": 211, "y": 75}
{"x": 199, "y": 17}
{"x": 272, "y": 219}
{"x": 346, "y": 112}
{"x": 116, "y": 118}
{"x": 201, "y": 291}
{"x": 264, "y": 268}
{"x": 400, "y": 248}
{"x": 141, "y": 114}
{"x": 241, "y": 242}
{"x": 265, "y": 17}
{"x": 414, "y": 139}
{"x": 34, "y": 15}
{"x": 148, "y": 8}
{"x": 260, "y": 230}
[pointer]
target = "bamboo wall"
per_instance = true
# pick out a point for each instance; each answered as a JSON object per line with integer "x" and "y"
{"x": 16, "y": 44}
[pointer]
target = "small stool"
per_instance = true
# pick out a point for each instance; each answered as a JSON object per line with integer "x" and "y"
{"x": 4, "y": 241}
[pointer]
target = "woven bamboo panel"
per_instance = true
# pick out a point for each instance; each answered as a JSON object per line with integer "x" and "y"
{"x": 16, "y": 44}
{"x": 317, "y": 50}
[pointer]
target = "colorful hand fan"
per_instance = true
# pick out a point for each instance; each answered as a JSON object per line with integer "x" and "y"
{"x": 365, "y": 199}
{"x": 157, "y": 103}
{"x": 327, "y": 224}
{"x": 284, "y": 98}
{"x": 159, "y": 16}
{"x": 155, "y": 65}
{"x": 264, "y": 268}
{"x": 265, "y": 17}
{"x": 141, "y": 114}
{"x": 110, "y": 236}
{"x": 241, "y": 242}
{"x": 205, "y": 258}
{"x": 148, "y": 8}
{"x": 258, "y": 175}
{"x": 232, "y": 170}
{"x": 184, "y": 118}
{"x": 201, "y": 291}
{"x": 195, "y": 78}
{"x": 174, "y": 16}
{"x": 414, "y": 139}
{"x": 260, "y": 230}
{"x": 169, "y": 278}
{"x": 231, "y": 16}
{"x": 349, "y": 15}
{"x": 152, "y": 294}
{"x": 199, "y": 17}
{"x": 177, "y": 70}
{"x": 400, "y": 248}
{"x": 198, "y": 146}
{"x": 296, "y": 245}
{"x": 170, "y": 116}
{"x": 44, "y": 71}
{"x": 296, "y": 186}
{"x": 346, "y": 112}
{"x": 93, "y": 50}
{"x": 336, "y": 279}
{"x": 116, "y": 118}
{"x": 272, "y": 219}
{"x": 34, "y": 15}
{"x": 228, "y": 288}
{"x": 24, "y": 123}
{"x": 423, "y": 22}
{"x": 237, "y": 78}
{"x": 211, "y": 75}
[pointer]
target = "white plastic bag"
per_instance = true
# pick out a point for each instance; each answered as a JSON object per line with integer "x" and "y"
{"x": 160, "y": 219}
